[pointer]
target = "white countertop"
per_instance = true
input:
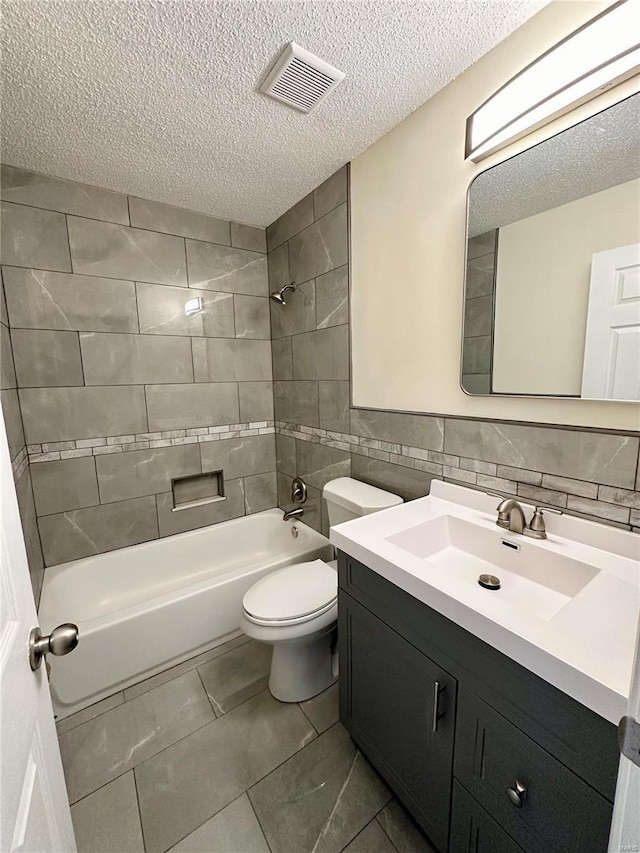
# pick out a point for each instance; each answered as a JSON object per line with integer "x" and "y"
{"x": 586, "y": 649}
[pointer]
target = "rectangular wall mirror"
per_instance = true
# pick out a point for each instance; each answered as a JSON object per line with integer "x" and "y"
{"x": 552, "y": 287}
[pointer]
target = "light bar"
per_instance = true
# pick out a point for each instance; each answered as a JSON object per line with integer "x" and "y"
{"x": 602, "y": 53}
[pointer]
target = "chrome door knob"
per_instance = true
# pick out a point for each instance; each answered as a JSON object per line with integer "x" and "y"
{"x": 517, "y": 794}
{"x": 60, "y": 641}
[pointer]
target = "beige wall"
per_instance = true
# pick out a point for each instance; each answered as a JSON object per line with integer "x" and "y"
{"x": 542, "y": 290}
{"x": 408, "y": 237}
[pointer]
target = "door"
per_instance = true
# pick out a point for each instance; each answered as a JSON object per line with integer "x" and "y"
{"x": 35, "y": 811}
{"x": 400, "y": 709}
{"x": 625, "y": 827}
{"x": 611, "y": 368}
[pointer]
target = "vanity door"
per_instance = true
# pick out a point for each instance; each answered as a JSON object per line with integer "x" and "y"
{"x": 399, "y": 707}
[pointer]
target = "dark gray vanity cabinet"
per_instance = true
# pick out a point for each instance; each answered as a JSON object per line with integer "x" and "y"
{"x": 401, "y": 710}
{"x": 487, "y": 757}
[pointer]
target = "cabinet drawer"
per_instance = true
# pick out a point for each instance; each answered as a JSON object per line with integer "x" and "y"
{"x": 556, "y": 812}
{"x": 473, "y": 830}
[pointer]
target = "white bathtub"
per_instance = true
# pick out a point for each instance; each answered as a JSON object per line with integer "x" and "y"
{"x": 144, "y": 608}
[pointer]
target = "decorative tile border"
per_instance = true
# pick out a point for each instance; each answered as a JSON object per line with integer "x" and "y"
{"x": 143, "y": 441}
{"x": 577, "y": 497}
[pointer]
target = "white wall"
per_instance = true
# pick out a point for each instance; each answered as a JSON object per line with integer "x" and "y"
{"x": 408, "y": 219}
{"x": 543, "y": 276}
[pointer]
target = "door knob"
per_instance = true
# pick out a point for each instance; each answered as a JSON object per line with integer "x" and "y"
{"x": 60, "y": 641}
{"x": 517, "y": 794}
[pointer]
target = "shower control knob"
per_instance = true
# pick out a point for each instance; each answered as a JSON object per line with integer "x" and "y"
{"x": 60, "y": 641}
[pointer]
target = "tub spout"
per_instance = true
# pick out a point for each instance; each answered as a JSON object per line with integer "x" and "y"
{"x": 292, "y": 513}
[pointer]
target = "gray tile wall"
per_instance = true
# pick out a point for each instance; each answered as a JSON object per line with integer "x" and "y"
{"x": 18, "y": 452}
{"x": 118, "y": 387}
{"x": 586, "y": 473}
{"x": 477, "y": 343}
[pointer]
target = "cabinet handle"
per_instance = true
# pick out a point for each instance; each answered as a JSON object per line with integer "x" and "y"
{"x": 437, "y": 714}
{"x": 517, "y": 795}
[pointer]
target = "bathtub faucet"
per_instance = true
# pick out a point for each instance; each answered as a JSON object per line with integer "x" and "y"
{"x": 292, "y": 513}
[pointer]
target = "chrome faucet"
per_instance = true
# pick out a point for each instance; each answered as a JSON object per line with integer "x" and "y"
{"x": 288, "y": 514}
{"x": 511, "y": 516}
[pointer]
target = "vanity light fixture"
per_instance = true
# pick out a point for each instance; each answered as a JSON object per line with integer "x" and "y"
{"x": 193, "y": 306}
{"x": 603, "y": 52}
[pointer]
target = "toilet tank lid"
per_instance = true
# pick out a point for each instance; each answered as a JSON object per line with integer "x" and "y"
{"x": 360, "y": 498}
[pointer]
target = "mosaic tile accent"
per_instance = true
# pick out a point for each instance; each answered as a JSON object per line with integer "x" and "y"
{"x": 613, "y": 506}
{"x": 143, "y": 441}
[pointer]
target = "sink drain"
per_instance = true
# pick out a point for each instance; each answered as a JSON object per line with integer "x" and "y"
{"x": 489, "y": 581}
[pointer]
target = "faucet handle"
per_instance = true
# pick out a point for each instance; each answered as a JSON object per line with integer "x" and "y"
{"x": 537, "y": 528}
{"x": 541, "y": 509}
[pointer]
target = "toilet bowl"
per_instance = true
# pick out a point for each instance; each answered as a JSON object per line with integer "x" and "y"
{"x": 295, "y": 609}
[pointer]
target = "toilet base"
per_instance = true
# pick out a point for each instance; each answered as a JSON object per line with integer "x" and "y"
{"x": 304, "y": 667}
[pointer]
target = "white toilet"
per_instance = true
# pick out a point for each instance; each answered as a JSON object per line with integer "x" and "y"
{"x": 296, "y": 608}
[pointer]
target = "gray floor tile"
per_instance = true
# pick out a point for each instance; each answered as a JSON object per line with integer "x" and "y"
{"x": 106, "y": 747}
{"x": 320, "y": 799}
{"x": 192, "y": 780}
{"x": 89, "y": 713}
{"x": 323, "y": 709}
{"x": 372, "y": 839}
{"x": 233, "y": 830}
{"x": 107, "y": 821}
{"x": 402, "y": 830}
{"x": 237, "y": 676}
{"x": 175, "y": 671}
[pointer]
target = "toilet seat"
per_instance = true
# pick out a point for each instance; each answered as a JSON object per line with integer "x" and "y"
{"x": 292, "y": 595}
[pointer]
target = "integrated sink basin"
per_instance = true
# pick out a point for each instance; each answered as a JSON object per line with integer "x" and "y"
{"x": 535, "y": 581}
{"x": 567, "y": 607}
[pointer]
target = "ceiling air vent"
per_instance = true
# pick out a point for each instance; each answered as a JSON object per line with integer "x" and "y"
{"x": 301, "y": 79}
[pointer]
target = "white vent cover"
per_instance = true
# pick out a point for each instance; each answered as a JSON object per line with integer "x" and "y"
{"x": 301, "y": 79}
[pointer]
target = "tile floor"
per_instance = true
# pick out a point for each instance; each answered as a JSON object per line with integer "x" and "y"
{"x": 202, "y": 759}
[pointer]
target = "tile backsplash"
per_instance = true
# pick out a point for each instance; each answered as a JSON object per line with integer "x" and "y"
{"x": 139, "y": 345}
{"x": 140, "y": 336}
{"x": 585, "y": 472}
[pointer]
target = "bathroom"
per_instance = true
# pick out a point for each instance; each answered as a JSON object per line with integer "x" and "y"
{"x": 219, "y": 310}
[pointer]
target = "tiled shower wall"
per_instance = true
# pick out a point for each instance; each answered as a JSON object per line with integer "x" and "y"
{"x": 18, "y": 454}
{"x": 584, "y": 472}
{"x": 121, "y": 387}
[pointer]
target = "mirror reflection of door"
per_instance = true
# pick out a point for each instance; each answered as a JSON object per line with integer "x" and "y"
{"x": 612, "y": 342}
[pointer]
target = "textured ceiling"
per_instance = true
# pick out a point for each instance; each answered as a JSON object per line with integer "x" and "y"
{"x": 159, "y": 99}
{"x": 596, "y": 154}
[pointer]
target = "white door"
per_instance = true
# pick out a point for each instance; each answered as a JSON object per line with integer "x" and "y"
{"x": 35, "y": 816}
{"x": 625, "y": 828}
{"x": 612, "y": 344}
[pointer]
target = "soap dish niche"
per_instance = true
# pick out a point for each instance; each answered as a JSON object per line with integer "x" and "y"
{"x": 197, "y": 490}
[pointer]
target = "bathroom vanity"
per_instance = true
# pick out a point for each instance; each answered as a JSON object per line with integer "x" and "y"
{"x": 492, "y": 720}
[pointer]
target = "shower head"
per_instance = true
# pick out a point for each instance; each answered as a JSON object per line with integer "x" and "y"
{"x": 278, "y": 295}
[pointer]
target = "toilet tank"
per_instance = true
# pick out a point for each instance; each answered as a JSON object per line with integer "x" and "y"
{"x": 348, "y": 498}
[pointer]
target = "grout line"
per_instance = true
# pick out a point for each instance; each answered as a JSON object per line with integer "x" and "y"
{"x": 216, "y": 715}
{"x": 259, "y": 822}
{"x": 135, "y": 787}
{"x": 66, "y": 228}
{"x": 136, "y": 300}
{"x": 299, "y": 704}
